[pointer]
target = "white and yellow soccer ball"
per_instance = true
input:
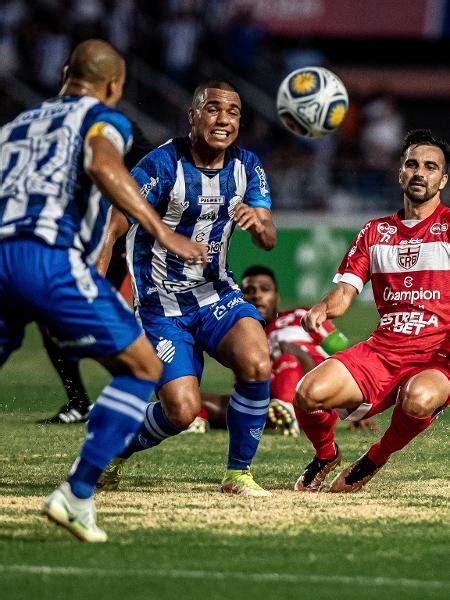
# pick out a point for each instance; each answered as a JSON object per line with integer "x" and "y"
{"x": 312, "y": 102}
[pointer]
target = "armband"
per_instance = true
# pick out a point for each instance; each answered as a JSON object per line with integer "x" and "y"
{"x": 109, "y": 132}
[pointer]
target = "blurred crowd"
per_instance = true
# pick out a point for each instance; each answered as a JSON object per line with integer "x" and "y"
{"x": 183, "y": 41}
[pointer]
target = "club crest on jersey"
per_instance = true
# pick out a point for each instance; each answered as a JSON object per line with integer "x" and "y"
{"x": 408, "y": 253}
{"x": 211, "y": 200}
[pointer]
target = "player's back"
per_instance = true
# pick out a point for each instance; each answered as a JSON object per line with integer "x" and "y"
{"x": 44, "y": 190}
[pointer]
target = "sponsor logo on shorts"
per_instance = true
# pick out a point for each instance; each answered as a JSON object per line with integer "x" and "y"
{"x": 409, "y": 323}
{"x": 211, "y": 200}
{"x": 165, "y": 350}
{"x": 221, "y": 310}
{"x": 408, "y": 253}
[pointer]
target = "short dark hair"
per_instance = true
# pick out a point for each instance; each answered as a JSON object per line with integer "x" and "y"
{"x": 218, "y": 84}
{"x": 260, "y": 270}
{"x": 424, "y": 137}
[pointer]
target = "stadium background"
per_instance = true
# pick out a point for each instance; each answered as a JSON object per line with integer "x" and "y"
{"x": 394, "y": 59}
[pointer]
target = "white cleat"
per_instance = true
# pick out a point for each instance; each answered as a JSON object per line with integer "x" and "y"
{"x": 74, "y": 514}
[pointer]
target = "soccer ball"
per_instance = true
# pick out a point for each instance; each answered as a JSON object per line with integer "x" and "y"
{"x": 312, "y": 102}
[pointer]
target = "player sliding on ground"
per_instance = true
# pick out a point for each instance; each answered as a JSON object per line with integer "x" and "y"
{"x": 405, "y": 361}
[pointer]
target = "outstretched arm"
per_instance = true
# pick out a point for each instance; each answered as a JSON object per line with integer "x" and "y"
{"x": 104, "y": 164}
{"x": 334, "y": 304}
{"x": 258, "y": 221}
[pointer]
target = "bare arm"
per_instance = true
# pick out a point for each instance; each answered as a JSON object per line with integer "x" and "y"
{"x": 118, "y": 225}
{"x": 334, "y": 304}
{"x": 105, "y": 166}
{"x": 258, "y": 221}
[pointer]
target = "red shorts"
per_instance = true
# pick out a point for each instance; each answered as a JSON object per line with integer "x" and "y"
{"x": 286, "y": 373}
{"x": 380, "y": 371}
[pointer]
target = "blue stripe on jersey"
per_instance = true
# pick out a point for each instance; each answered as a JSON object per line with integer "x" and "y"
{"x": 44, "y": 190}
{"x": 200, "y": 206}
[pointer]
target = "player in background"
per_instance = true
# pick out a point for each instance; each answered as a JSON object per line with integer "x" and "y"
{"x": 404, "y": 362}
{"x": 202, "y": 185}
{"x": 78, "y": 405}
{"x": 57, "y": 159}
{"x": 293, "y": 351}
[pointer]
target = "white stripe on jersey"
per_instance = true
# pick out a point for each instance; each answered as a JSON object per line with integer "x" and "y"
{"x": 240, "y": 177}
{"x": 433, "y": 256}
{"x": 88, "y": 223}
{"x": 172, "y": 218}
{"x": 205, "y": 294}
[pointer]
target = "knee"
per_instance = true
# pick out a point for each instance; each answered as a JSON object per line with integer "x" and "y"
{"x": 309, "y": 395}
{"x": 183, "y": 413}
{"x": 255, "y": 368}
{"x": 420, "y": 400}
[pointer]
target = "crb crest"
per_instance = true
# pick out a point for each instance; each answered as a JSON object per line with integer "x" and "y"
{"x": 408, "y": 253}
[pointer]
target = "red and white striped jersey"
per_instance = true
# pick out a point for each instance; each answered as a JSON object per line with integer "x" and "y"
{"x": 287, "y": 327}
{"x": 408, "y": 268}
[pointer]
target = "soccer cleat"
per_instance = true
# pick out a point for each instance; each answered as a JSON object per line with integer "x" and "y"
{"x": 312, "y": 478}
{"x": 354, "y": 477}
{"x": 112, "y": 475}
{"x": 198, "y": 425}
{"x": 76, "y": 515}
{"x": 69, "y": 413}
{"x": 241, "y": 482}
{"x": 281, "y": 415}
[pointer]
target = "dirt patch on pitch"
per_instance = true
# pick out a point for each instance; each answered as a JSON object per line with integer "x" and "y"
{"x": 200, "y": 507}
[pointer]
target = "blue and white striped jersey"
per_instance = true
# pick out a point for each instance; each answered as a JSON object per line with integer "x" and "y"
{"x": 197, "y": 203}
{"x": 44, "y": 190}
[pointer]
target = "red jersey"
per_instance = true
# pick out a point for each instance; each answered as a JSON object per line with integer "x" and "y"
{"x": 408, "y": 268}
{"x": 287, "y": 327}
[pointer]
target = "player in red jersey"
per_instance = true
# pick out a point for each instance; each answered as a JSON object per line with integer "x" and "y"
{"x": 406, "y": 258}
{"x": 293, "y": 352}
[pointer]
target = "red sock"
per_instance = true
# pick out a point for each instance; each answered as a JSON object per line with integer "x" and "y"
{"x": 203, "y": 413}
{"x": 403, "y": 428}
{"x": 319, "y": 429}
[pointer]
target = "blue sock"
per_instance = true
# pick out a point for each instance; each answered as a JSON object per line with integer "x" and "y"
{"x": 155, "y": 429}
{"x": 246, "y": 417}
{"x": 113, "y": 422}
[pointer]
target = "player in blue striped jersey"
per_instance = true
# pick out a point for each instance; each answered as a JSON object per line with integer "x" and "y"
{"x": 57, "y": 158}
{"x": 202, "y": 186}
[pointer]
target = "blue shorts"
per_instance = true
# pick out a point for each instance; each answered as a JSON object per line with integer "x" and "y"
{"x": 84, "y": 315}
{"x": 180, "y": 341}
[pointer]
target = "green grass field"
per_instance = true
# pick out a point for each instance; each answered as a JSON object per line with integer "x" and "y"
{"x": 172, "y": 535}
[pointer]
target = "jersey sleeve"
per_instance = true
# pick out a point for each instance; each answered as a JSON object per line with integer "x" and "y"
{"x": 101, "y": 120}
{"x": 257, "y": 193}
{"x": 355, "y": 266}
